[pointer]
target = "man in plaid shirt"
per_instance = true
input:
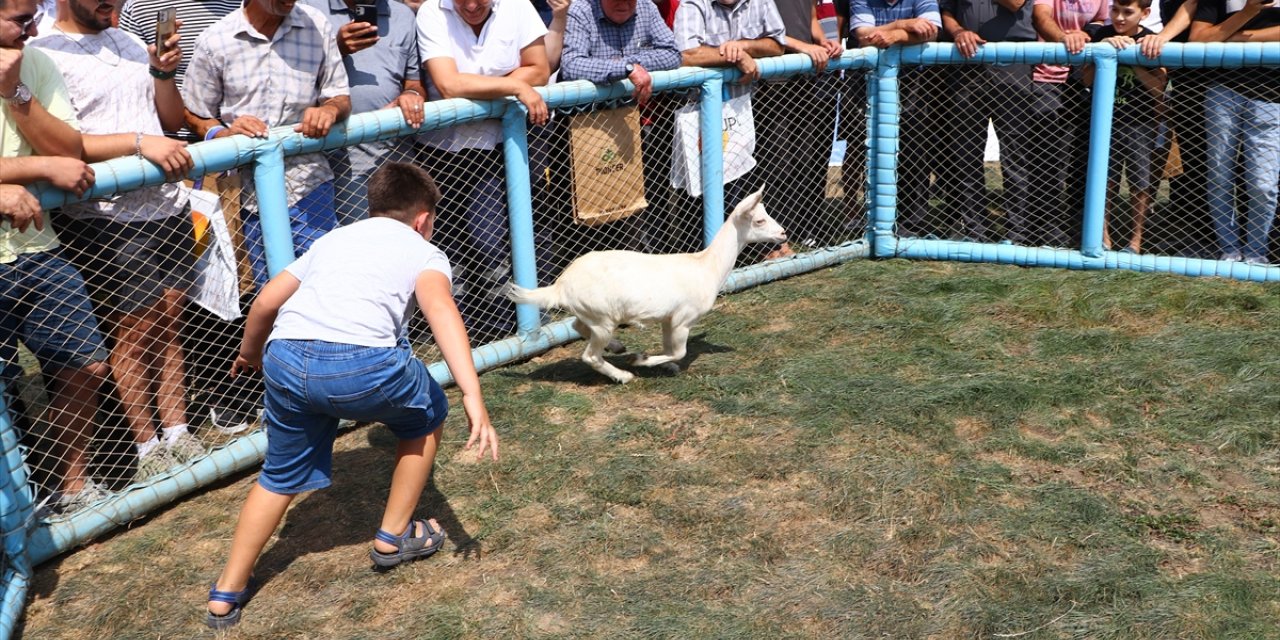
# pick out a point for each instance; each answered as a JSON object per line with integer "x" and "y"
{"x": 608, "y": 40}
{"x": 724, "y": 33}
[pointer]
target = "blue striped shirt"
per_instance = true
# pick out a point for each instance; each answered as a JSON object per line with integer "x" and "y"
{"x": 711, "y": 24}
{"x": 876, "y": 13}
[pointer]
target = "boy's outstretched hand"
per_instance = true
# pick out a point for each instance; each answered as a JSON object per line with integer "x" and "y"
{"x": 245, "y": 363}
{"x": 481, "y": 429}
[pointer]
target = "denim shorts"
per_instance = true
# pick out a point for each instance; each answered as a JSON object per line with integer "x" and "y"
{"x": 1133, "y": 143}
{"x": 312, "y": 384}
{"x": 43, "y": 303}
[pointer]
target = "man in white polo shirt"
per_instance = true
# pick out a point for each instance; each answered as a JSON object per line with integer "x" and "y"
{"x": 479, "y": 49}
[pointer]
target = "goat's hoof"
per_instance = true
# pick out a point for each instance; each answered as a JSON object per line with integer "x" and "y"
{"x": 615, "y": 347}
{"x": 671, "y": 368}
{"x": 624, "y": 377}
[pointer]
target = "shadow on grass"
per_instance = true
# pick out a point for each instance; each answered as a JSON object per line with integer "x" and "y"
{"x": 348, "y": 512}
{"x": 576, "y": 371}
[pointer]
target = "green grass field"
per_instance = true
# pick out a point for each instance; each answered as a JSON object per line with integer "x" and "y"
{"x": 881, "y": 450}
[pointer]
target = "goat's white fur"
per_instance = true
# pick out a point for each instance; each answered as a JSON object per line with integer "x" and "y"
{"x": 605, "y": 289}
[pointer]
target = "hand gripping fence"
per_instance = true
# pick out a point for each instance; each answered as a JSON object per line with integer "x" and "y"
{"x": 844, "y": 156}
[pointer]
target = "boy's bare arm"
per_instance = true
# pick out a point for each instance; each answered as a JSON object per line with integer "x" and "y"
{"x": 262, "y": 316}
{"x": 436, "y": 302}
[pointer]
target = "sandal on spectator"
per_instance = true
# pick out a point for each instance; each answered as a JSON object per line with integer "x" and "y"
{"x": 237, "y": 600}
{"x": 408, "y": 546}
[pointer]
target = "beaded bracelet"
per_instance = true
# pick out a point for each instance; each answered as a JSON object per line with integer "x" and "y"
{"x": 162, "y": 75}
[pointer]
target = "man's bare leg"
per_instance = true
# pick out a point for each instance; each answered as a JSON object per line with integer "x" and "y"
{"x": 72, "y": 408}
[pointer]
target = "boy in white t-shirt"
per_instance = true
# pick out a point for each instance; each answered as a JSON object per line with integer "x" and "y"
{"x": 337, "y": 349}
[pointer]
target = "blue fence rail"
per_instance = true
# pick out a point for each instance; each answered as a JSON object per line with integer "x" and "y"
{"x": 27, "y": 543}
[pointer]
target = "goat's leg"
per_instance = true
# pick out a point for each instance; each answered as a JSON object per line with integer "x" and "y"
{"x": 674, "y": 341}
{"x": 597, "y": 339}
{"x": 615, "y": 347}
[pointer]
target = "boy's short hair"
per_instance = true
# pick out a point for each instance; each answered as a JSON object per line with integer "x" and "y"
{"x": 1142, "y": 4}
{"x": 401, "y": 191}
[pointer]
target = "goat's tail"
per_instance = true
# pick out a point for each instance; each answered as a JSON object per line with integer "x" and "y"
{"x": 543, "y": 297}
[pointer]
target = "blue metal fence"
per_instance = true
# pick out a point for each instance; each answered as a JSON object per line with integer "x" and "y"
{"x": 26, "y": 545}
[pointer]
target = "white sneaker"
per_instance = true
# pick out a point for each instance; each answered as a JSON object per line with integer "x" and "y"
{"x": 59, "y": 502}
{"x": 154, "y": 463}
{"x": 228, "y": 421}
{"x": 184, "y": 447}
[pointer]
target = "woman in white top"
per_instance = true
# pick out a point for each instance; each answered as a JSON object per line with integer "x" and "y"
{"x": 479, "y": 49}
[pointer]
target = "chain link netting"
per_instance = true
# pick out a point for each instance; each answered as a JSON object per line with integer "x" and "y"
{"x": 992, "y": 154}
{"x": 129, "y": 328}
{"x": 989, "y": 153}
{"x": 165, "y": 294}
{"x": 985, "y": 153}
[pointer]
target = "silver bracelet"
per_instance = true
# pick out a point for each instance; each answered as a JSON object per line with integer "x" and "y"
{"x": 137, "y": 144}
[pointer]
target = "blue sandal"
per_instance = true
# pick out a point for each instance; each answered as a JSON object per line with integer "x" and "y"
{"x": 408, "y": 546}
{"x": 237, "y": 600}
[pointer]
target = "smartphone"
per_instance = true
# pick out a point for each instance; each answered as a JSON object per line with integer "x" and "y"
{"x": 166, "y": 26}
{"x": 366, "y": 13}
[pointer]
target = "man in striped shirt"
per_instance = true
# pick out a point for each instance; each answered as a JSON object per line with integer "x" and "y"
{"x": 724, "y": 33}
{"x": 139, "y": 18}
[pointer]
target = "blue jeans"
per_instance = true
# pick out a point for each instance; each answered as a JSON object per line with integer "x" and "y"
{"x": 1235, "y": 125}
{"x": 351, "y": 189}
{"x": 311, "y": 384}
{"x": 310, "y": 218}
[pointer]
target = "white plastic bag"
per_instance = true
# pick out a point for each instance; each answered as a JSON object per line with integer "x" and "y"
{"x": 217, "y": 285}
{"x": 738, "y": 139}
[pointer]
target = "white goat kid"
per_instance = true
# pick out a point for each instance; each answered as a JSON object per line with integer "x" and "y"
{"x": 605, "y": 289}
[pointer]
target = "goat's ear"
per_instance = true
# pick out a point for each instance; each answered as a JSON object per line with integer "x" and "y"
{"x": 750, "y": 202}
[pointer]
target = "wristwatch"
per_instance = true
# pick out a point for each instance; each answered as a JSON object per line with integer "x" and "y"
{"x": 21, "y": 95}
{"x": 630, "y": 67}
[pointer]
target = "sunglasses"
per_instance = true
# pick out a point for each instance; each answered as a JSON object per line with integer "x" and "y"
{"x": 29, "y": 22}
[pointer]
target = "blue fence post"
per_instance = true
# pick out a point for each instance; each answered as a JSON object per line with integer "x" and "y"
{"x": 711, "y": 132}
{"x": 882, "y": 156}
{"x": 15, "y": 513}
{"x": 515, "y": 151}
{"x": 273, "y": 206}
{"x": 1095, "y": 187}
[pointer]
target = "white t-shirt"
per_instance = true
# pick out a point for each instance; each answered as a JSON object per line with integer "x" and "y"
{"x": 442, "y": 33}
{"x": 109, "y": 86}
{"x": 358, "y": 284}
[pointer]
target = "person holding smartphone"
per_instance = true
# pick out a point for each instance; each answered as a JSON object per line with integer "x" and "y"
{"x": 379, "y": 49}
{"x": 135, "y": 248}
{"x": 141, "y": 18}
{"x": 1242, "y": 114}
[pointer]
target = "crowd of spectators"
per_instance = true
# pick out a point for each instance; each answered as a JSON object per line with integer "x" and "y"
{"x": 97, "y": 291}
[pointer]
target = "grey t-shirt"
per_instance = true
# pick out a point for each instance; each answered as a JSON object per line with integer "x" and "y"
{"x": 797, "y": 17}
{"x": 991, "y": 21}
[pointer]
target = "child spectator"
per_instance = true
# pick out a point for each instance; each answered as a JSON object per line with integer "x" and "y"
{"x": 1139, "y": 91}
{"x": 337, "y": 349}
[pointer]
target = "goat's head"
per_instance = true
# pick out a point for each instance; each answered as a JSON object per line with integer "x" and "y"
{"x": 754, "y": 223}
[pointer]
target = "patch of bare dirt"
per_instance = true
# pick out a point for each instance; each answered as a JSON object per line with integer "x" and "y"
{"x": 971, "y": 429}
